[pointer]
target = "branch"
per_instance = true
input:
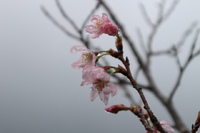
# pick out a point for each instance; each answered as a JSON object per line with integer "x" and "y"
{"x": 140, "y": 36}
{"x": 186, "y": 34}
{"x": 196, "y": 125}
{"x": 127, "y": 72}
{"x": 180, "y": 43}
{"x": 171, "y": 9}
{"x": 53, "y": 20}
{"x": 183, "y": 68}
{"x": 91, "y": 13}
{"x": 154, "y": 31}
{"x": 66, "y": 16}
{"x": 145, "y": 15}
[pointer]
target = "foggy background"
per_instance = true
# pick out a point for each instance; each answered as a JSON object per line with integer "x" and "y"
{"x": 41, "y": 93}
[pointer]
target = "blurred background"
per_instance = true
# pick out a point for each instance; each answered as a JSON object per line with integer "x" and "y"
{"x": 40, "y": 92}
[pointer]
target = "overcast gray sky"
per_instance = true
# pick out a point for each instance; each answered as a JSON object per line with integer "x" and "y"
{"x": 40, "y": 92}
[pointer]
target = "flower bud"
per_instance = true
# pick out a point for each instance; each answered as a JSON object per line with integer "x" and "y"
{"x": 134, "y": 109}
{"x": 116, "y": 108}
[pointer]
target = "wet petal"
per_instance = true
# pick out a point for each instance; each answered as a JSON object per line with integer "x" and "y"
{"x": 78, "y": 49}
{"x": 93, "y": 94}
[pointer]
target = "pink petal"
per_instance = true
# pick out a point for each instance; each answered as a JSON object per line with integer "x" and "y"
{"x": 96, "y": 36}
{"x": 113, "y": 89}
{"x": 85, "y": 83}
{"x": 78, "y": 64}
{"x": 105, "y": 17}
{"x": 93, "y": 94}
{"x": 104, "y": 97}
{"x": 87, "y": 58}
{"x": 91, "y": 29}
{"x": 166, "y": 126}
{"x": 95, "y": 19}
{"x": 78, "y": 48}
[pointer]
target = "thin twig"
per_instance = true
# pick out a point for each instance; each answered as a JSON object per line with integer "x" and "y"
{"x": 154, "y": 30}
{"x": 153, "y": 118}
{"x": 145, "y": 15}
{"x": 64, "y": 14}
{"x": 186, "y": 34}
{"x": 170, "y": 51}
{"x": 91, "y": 13}
{"x": 183, "y": 68}
{"x": 196, "y": 126}
{"x": 53, "y": 20}
{"x": 140, "y": 36}
{"x": 171, "y": 9}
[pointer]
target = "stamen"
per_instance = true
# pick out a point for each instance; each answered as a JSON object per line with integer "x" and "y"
{"x": 86, "y": 57}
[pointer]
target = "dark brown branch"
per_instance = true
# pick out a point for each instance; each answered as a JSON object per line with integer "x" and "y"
{"x": 128, "y": 74}
{"x": 143, "y": 118}
{"x": 196, "y": 126}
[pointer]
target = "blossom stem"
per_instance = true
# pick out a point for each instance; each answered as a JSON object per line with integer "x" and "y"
{"x": 98, "y": 57}
{"x": 139, "y": 90}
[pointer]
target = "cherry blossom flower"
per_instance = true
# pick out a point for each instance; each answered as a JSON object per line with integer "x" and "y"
{"x": 101, "y": 25}
{"x": 87, "y": 58}
{"x": 102, "y": 87}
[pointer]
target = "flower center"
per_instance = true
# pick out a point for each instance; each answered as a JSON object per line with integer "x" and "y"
{"x": 86, "y": 57}
{"x": 101, "y": 84}
{"x": 99, "y": 23}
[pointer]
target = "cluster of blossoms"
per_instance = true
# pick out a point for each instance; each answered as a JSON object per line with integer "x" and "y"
{"x": 92, "y": 74}
{"x": 97, "y": 76}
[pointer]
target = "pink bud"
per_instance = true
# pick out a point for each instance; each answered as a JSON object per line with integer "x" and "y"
{"x": 116, "y": 108}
